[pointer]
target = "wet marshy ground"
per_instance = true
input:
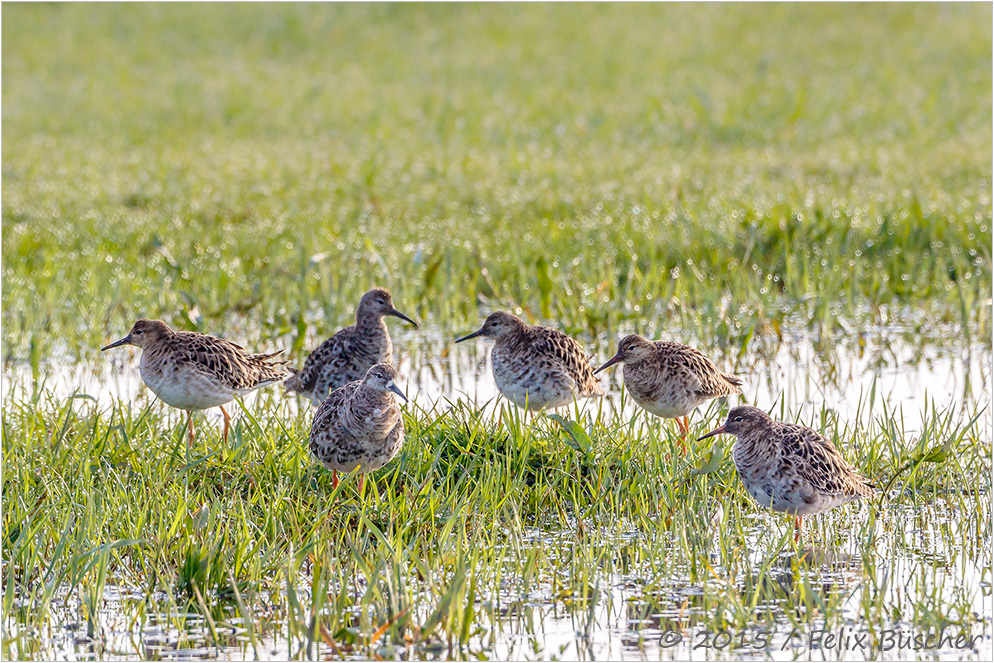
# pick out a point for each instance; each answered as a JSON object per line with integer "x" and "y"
{"x": 628, "y": 556}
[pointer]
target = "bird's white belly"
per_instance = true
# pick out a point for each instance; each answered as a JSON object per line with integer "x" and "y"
{"x": 186, "y": 389}
{"x": 522, "y": 397}
{"x": 667, "y": 409}
{"x": 531, "y": 396}
{"x": 779, "y": 499}
{"x": 669, "y": 401}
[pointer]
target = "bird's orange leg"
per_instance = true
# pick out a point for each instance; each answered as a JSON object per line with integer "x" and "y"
{"x": 227, "y": 422}
{"x": 189, "y": 442}
{"x": 683, "y": 427}
{"x": 797, "y": 529}
{"x": 362, "y": 481}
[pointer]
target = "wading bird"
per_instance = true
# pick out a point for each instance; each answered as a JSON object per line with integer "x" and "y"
{"x": 536, "y": 367}
{"x": 349, "y": 354}
{"x": 192, "y": 371}
{"x": 670, "y": 379}
{"x": 359, "y": 426}
{"x": 789, "y": 467}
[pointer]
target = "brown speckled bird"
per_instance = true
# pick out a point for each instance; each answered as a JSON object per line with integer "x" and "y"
{"x": 535, "y": 367}
{"x": 788, "y": 467}
{"x": 670, "y": 379}
{"x": 359, "y": 425}
{"x": 193, "y": 371}
{"x": 349, "y": 354}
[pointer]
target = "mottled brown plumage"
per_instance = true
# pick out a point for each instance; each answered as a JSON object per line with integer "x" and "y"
{"x": 359, "y": 425}
{"x": 788, "y": 467}
{"x": 193, "y": 371}
{"x": 349, "y": 354}
{"x": 670, "y": 379}
{"x": 536, "y": 367}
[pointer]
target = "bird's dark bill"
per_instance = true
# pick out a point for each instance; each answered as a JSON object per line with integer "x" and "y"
{"x": 610, "y": 362}
{"x": 717, "y": 431}
{"x": 466, "y": 338}
{"x": 402, "y": 316}
{"x": 123, "y": 341}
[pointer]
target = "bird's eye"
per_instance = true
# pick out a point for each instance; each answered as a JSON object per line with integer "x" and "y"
{"x": 138, "y": 331}
{"x": 738, "y": 418}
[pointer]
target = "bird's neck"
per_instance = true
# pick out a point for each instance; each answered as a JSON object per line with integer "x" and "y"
{"x": 157, "y": 346}
{"x": 512, "y": 339}
{"x": 369, "y": 321}
{"x": 373, "y": 340}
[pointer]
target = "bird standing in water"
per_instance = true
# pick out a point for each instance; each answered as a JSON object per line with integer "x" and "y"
{"x": 193, "y": 371}
{"x": 670, "y": 379}
{"x": 359, "y": 425}
{"x": 349, "y": 354}
{"x": 536, "y": 368}
{"x": 788, "y": 467}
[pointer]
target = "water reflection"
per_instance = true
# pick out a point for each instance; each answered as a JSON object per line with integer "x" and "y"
{"x": 636, "y": 614}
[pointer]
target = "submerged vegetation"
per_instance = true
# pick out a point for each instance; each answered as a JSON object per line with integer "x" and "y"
{"x": 729, "y": 175}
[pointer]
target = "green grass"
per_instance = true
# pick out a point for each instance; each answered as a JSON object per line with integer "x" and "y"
{"x": 730, "y": 175}
{"x": 253, "y": 529}
{"x": 715, "y": 168}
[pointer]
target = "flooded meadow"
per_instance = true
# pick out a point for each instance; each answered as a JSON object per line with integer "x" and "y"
{"x": 802, "y": 192}
{"x": 672, "y": 566}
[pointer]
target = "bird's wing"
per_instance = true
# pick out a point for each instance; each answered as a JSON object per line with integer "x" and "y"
{"x": 328, "y": 352}
{"x": 329, "y": 436}
{"x": 570, "y": 354}
{"x": 335, "y": 401}
{"x": 224, "y": 361}
{"x": 703, "y": 377}
{"x": 816, "y": 461}
{"x": 395, "y": 432}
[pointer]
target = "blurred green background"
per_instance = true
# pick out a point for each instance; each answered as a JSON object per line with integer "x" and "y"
{"x": 718, "y": 168}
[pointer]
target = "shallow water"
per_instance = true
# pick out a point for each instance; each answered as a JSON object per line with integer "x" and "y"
{"x": 636, "y": 615}
{"x": 800, "y": 373}
{"x": 641, "y": 613}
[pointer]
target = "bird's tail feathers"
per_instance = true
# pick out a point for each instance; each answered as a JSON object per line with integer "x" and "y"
{"x": 266, "y": 356}
{"x": 293, "y": 383}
